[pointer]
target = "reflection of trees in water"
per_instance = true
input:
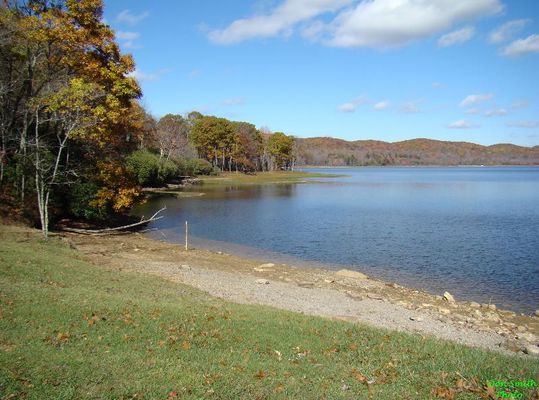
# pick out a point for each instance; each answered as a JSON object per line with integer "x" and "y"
{"x": 254, "y": 192}
{"x": 201, "y": 204}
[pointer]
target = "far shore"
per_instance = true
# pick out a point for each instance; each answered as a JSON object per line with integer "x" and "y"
{"x": 416, "y": 166}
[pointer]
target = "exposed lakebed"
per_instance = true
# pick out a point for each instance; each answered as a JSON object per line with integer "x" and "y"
{"x": 473, "y": 231}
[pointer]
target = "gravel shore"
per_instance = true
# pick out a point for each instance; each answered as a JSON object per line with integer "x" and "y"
{"x": 347, "y": 295}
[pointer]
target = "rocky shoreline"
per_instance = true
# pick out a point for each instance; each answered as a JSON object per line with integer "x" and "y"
{"x": 343, "y": 294}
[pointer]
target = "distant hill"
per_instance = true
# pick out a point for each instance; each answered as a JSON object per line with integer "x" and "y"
{"x": 337, "y": 152}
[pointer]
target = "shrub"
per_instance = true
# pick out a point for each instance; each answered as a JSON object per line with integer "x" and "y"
{"x": 80, "y": 200}
{"x": 195, "y": 166}
{"x": 149, "y": 170}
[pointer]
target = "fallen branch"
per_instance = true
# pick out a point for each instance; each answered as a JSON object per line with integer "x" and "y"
{"x": 108, "y": 231}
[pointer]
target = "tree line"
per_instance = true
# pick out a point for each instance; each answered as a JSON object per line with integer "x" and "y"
{"x": 226, "y": 145}
{"x": 75, "y": 141}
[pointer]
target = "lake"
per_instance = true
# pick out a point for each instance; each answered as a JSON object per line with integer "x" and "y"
{"x": 473, "y": 231}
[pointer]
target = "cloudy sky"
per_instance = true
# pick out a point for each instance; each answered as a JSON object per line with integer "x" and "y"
{"x": 462, "y": 70}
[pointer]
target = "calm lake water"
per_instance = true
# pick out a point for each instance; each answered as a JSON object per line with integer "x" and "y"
{"x": 471, "y": 231}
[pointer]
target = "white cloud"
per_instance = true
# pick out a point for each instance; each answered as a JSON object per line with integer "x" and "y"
{"x": 367, "y": 23}
{"x": 472, "y": 111}
{"x": 238, "y": 101}
{"x": 523, "y": 124}
{"x": 128, "y": 38}
{"x": 381, "y": 105}
{"x": 352, "y": 106}
{"x": 314, "y": 30}
{"x": 496, "y": 112}
{"x": 508, "y": 30}
{"x": 387, "y": 23}
{"x": 411, "y": 107}
{"x": 460, "y": 124}
{"x": 520, "y": 104}
{"x": 127, "y": 35}
{"x": 347, "y": 107}
{"x": 456, "y": 37}
{"x": 437, "y": 85}
{"x": 473, "y": 99}
{"x": 522, "y": 46}
{"x": 279, "y": 20}
{"x": 131, "y": 19}
{"x": 147, "y": 77}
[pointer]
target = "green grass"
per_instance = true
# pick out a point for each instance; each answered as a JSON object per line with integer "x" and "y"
{"x": 70, "y": 329}
{"x": 262, "y": 178}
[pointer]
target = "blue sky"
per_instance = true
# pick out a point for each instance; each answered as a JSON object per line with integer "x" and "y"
{"x": 460, "y": 70}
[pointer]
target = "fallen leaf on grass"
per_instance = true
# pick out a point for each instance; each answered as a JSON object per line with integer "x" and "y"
{"x": 62, "y": 337}
{"x": 443, "y": 393}
{"x": 279, "y": 388}
{"x": 359, "y": 376}
{"x": 444, "y": 376}
{"x": 260, "y": 375}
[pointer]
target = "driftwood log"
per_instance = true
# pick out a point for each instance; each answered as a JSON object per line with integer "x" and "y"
{"x": 118, "y": 229}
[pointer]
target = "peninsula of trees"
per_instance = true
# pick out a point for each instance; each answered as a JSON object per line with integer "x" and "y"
{"x": 74, "y": 141}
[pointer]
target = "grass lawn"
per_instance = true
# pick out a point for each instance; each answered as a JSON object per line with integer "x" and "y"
{"x": 71, "y": 329}
{"x": 233, "y": 178}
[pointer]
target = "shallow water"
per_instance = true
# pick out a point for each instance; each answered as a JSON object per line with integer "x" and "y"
{"x": 473, "y": 231}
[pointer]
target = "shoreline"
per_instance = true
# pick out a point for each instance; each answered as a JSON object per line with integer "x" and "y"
{"x": 383, "y": 274}
{"x": 418, "y": 166}
{"x": 345, "y": 294}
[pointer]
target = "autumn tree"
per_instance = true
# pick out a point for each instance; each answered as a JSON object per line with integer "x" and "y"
{"x": 281, "y": 148}
{"x": 66, "y": 102}
{"x": 171, "y": 135}
{"x": 246, "y": 148}
{"x": 213, "y": 138}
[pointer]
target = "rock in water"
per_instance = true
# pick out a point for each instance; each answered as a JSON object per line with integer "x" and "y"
{"x": 537, "y": 313}
{"x": 262, "y": 281}
{"x": 449, "y": 297}
{"x": 351, "y": 274}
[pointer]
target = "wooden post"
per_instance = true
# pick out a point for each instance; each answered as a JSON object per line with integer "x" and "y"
{"x": 186, "y": 236}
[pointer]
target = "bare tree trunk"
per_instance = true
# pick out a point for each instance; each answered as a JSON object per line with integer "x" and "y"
{"x": 2, "y": 155}
{"x": 22, "y": 148}
{"x": 40, "y": 185}
{"x": 43, "y": 188}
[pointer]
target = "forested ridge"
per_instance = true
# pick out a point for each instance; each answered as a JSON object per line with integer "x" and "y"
{"x": 326, "y": 151}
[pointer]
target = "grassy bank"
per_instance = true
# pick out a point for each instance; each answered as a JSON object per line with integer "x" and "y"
{"x": 72, "y": 329}
{"x": 261, "y": 178}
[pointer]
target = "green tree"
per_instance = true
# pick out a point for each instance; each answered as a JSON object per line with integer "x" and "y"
{"x": 213, "y": 139}
{"x": 281, "y": 148}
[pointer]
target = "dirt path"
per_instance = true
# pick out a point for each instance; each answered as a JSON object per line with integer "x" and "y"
{"x": 341, "y": 295}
